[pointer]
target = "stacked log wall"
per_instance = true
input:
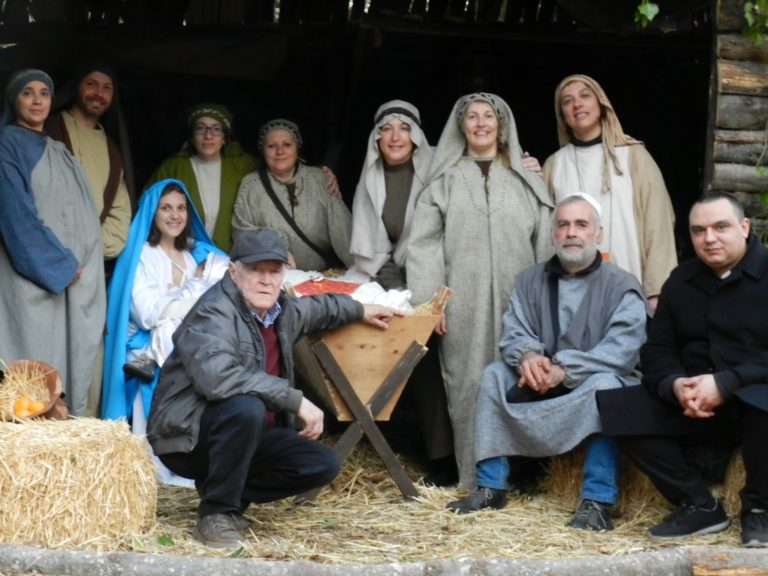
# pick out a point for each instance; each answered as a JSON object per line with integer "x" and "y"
{"x": 740, "y": 124}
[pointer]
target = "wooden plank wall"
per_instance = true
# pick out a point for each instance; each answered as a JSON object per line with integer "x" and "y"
{"x": 740, "y": 135}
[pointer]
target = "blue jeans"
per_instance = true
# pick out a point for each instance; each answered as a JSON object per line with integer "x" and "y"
{"x": 601, "y": 471}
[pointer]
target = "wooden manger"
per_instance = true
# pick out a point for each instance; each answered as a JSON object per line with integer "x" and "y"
{"x": 359, "y": 371}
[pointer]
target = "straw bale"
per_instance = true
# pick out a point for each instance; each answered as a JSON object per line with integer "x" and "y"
{"x": 75, "y": 482}
{"x": 635, "y": 490}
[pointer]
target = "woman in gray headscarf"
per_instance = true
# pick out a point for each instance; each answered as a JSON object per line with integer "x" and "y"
{"x": 52, "y": 299}
{"x": 483, "y": 219}
{"x": 293, "y": 199}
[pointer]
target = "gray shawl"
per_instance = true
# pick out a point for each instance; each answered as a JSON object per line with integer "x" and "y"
{"x": 452, "y": 144}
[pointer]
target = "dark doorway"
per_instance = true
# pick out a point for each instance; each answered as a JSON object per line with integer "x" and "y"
{"x": 328, "y": 65}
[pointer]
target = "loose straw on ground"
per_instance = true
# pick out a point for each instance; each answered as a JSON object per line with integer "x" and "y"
{"x": 362, "y": 517}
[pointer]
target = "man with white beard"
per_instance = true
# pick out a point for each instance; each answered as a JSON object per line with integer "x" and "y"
{"x": 574, "y": 325}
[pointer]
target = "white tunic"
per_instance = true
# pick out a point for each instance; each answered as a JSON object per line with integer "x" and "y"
{"x": 580, "y": 169}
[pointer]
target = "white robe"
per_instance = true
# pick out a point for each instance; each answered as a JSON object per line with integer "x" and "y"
{"x": 158, "y": 305}
{"x": 580, "y": 169}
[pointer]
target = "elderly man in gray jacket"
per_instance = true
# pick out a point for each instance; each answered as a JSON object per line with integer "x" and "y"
{"x": 574, "y": 325}
{"x": 225, "y": 406}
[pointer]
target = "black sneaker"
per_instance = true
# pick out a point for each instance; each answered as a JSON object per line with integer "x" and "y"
{"x": 691, "y": 520}
{"x": 142, "y": 368}
{"x": 478, "y": 499}
{"x": 754, "y": 528}
{"x": 218, "y": 531}
{"x": 592, "y": 515}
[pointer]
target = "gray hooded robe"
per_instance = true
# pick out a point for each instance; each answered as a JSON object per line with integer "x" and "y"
{"x": 474, "y": 234}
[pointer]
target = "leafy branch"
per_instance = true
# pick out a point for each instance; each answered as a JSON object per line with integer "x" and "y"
{"x": 755, "y": 16}
{"x": 646, "y": 11}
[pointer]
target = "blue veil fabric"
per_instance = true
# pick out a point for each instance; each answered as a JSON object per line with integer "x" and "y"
{"x": 119, "y": 391}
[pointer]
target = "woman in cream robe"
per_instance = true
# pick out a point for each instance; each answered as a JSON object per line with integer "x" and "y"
{"x": 598, "y": 158}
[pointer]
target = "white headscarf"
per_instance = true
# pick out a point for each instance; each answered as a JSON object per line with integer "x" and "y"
{"x": 452, "y": 145}
{"x": 370, "y": 242}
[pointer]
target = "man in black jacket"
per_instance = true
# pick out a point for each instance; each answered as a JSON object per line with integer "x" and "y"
{"x": 225, "y": 406}
{"x": 705, "y": 377}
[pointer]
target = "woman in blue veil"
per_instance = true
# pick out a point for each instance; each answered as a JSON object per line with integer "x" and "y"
{"x": 119, "y": 391}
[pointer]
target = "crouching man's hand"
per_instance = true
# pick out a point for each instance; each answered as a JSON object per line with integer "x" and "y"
{"x": 379, "y": 315}
{"x": 312, "y": 418}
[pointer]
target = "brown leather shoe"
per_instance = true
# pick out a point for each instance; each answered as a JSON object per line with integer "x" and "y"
{"x": 218, "y": 531}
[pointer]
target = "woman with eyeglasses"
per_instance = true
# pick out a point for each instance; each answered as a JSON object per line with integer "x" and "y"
{"x": 211, "y": 166}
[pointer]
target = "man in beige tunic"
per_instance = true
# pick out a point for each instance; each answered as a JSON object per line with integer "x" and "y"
{"x": 79, "y": 128}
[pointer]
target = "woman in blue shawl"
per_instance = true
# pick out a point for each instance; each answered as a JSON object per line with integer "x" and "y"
{"x": 52, "y": 296}
{"x": 125, "y": 333}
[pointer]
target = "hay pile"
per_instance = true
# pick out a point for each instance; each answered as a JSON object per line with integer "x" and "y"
{"x": 80, "y": 482}
{"x": 362, "y": 517}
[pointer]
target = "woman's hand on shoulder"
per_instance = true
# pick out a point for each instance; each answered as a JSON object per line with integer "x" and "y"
{"x": 531, "y": 163}
{"x": 331, "y": 183}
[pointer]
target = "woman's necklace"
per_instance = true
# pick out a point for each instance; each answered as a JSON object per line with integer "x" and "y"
{"x": 578, "y": 170}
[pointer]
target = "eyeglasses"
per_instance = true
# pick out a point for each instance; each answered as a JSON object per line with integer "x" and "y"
{"x": 202, "y": 129}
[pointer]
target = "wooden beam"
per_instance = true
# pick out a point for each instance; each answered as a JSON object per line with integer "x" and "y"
{"x": 741, "y": 112}
{"x": 729, "y": 15}
{"x": 740, "y": 146}
{"x": 364, "y": 415}
{"x": 738, "y": 177}
{"x": 740, "y": 47}
{"x": 746, "y": 78}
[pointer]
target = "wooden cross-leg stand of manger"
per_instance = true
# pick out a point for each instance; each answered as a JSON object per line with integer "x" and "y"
{"x": 364, "y": 370}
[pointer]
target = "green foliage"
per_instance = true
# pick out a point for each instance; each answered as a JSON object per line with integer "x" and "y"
{"x": 164, "y": 540}
{"x": 646, "y": 11}
{"x": 756, "y": 15}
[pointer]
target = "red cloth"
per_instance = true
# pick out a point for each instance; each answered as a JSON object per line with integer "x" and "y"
{"x": 312, "y": 287}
